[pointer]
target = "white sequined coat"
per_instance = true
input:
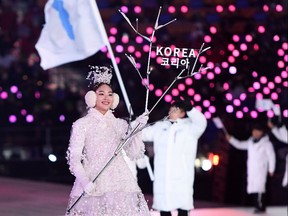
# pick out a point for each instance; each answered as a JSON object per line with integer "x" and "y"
{"x": 93, "y": 141}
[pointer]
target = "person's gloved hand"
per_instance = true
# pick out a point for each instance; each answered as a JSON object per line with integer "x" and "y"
{"x": 143, "y": 118}
{"x": 89, "y": 187}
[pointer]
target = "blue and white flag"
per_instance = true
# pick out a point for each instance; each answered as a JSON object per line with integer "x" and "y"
{"x": 73, "y": 31}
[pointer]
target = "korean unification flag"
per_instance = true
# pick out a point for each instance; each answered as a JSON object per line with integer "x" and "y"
{"x": 73, "y": 31}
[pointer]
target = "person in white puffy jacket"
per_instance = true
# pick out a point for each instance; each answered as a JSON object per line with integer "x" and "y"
{"x": 93, "y": 142}
{"x": 175, "y": 143}
{"x": 260, "y": 162}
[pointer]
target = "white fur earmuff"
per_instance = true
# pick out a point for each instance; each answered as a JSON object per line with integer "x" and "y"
{"x": 115, "y": 101}
{"x": 90, "y": 99}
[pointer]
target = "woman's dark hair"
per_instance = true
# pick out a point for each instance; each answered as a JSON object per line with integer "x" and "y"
{"x": 100, "y": 84}
{"x": 183, "y": 105}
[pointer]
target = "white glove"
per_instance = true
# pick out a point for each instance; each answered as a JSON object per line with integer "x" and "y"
{"x": 142, "y": 119}
{"x": 89, "y": 187}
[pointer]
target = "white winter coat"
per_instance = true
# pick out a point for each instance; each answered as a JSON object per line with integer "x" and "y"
{"x": 175, "y": 147}
{"x": 260, "y": 161}
{"x": 281, "y": 133}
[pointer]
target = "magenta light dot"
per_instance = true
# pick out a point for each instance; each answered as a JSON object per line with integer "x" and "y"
{"x": 243, "y": 47}
{"x": 149, "y": 30}
{"x": 270, "y": 114}
{"x": 124, "y": 9}
{"x": 119, "y": 48}
{"x": 231, "y": 47}
{"x": 274, "y": 96}
{"x": 243, "y": 96}
{"x": 279, "y": 8}
{"x": 236, "y": 38}
{"x": 245, "y": 109}
{"x": 259, "y": 96}
{"x": 285, "y": 84}
{"x": 236, "y": 102}
{"x": 277, "y": 79}
{"x": 212, "y": 109}
{"x": 29, "y": 118}
{"x": 139, "y": 39}
{"x": 224, "y": 64}
{"x": 168, "y": 98}
{"x": 212, "y": 98}
{"x": 12, "y": 118}
{"x": 154, "y": 39}
{"x": 171, "y": 9}
{"x": 265, "y": 8}
{"x": 285, "y": 46}
{"x": 245, "y": 57}
{"x": 104, "y": 49}
{"x": 261, "y": 29}
{"x": 158, "y": 92}
{"x": 219, "y": 8}
{"x": 235, "y": 53}
{"x": 226, "y": 86}
{"x": 151, "y": 87}
{"x": 206, "y": 103}
{"x": 276, "y": 38}
{"x": 61, "y": 118}
{"x": 159, "y": 60}
{"x": 232, "y": 8}
{"x": 281, "y": 64}
{"x": 13, "y": 89}
{"x": 285, "y": 113}
{"x": 217, "y": 70}
{"x": 144, "y": 82}
{"x": 146, "y": 48}
{"x": 231, "y": 59}
{"x": 190, "y": 92}
{"x": 222, "y": 52}
{"x": 213, "y": 29}
{"x": 153, "y": 54}
{"x": 181, "y": 87}
{"x": 117, "y": 59}
{"x": 284, "y": 74}
{"x": 271, "y": 85}
{"x": 286, "y": 58}
{"x": 125, "y": 38}
{"x": 37, "y": 94}
{"x": 197, "y": 97}
{"x": 4, "y": 95}
{"x": 137, "y": 9}
{"x": 254, "y": 114}
{"x": 248, "y": 38}
{"x": 202, "y": 59}
{"x": 207, "y": 38}
{"x": 280, "y": 52}
{"x": 254, "y": 74}
{"x": 113, "y": 30}
{"x": 210, "y": 76}
{"x": 256, "y": 47}
{"x": 256, "y": 85}
{"x": 263, "y": 79}
{"x": 232, "y": 70}
{"x": 229, "y": 109}
{"x": 184, "y": 9}
{"x": 239, "y": 114}
{"x": 198, "y": 76}
{"x": 188, "y": 81}
{"x": 175, "y": 92}
{"x": 19, "y": 95}
{"x": 138, "y": 54}
{"x": 112, "y": 39}
{"x": 229, "y": 96}
{"x": 211, "y": 65}
{"x": 211, "y": 85}
{"x": 207, "y": 114}
{"x": 23, "y": 112}
{"x": 131, "y": 49}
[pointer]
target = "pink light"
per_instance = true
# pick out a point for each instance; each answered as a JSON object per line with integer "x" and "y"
{"x": 112, "y": 39}
{"x": 171, "y": 9}
{"x": 243, "y": 96}
{"x": 284, "y": 74}
{"x": 202, "y": 59}
{"x": 125, "y": 38}
{"x": 276, "y": 38}
{"x": 146, "y": 48}
{"x": 229, "y": 109}
{"x": 254, "y": 74}
{"x": 212, "y": 109}
{"x": 23, "y": 112}
{"x": 210, "y": 76}
{"x": 236, "y": 38}
{"x": 175, "y": 92}
{"x": 207, "y": 38}
{"x": 231, "y": 59}
{"x": 280, "y": 52}
{"x": 265, "y": 8}
{"x": 124, "y": 9}
{"x": 153, "y": 54}
{"x": 149, "y": 30}
{"x": 19, "y": 95}
{"x": 263, "y": 79}
{"x": 139, "y": 39}
{"x": 231, "y": 47}
{"x": 243, "y": 47}
{"x": 119, "y": 48}
{"x": 270, "y": 114}
{"x": 181, "y": 87}
{"x": 236, "y": 102}
{"x": 113, "y": 30}
{"x": 207, "y": 115}
{"x": 253, "y": 114}
{"x": 256, "y": 85}
{"x": 197, "y": 97}
{"x": 285, "y": 113}
{"x": 144, "y": 82}
{"x": 137, "y": 9}
{"x": 271, "y": 85}
{"x": 274, "y": 96}
{"x": 210, "y": 65}
{"x": 239, "y": 114}
{"x": 285, "y": 84}
{"x": 277, "y": 79}
{"x": 184, "y": 9}
{"x": 197, "y": 76}
{"x": 259, "y": 96}
{"x": 245, "y": 57}
{"x": 199, "y": 108}
{"x": 213, "y": 29}
{"x": 12, "y": 118}
{"x": 29, "y": 118}
{"x": 117, "y": 59}
{"x": 61, "y": 118}
{"x": 13, "y": 89}
{"x": 285, "y": 46}
{"x": 37, "y": 94}
{"x": 245, "y": 109}
{"x": 281, "y": 64}
{"x": 206, "y": 103}
{"x": 138, "y": 54}
{"x": 229, "y": 96}
{"x": 224, "y": 64}
{"x": 190, "y": 92}
{"x": 151, "y": 87}
{"x": 226, "y": 86}
{"x": 104, "y": 49}
{"x": 4, "y": 95}
{"x": 217, "y": 70}
{"x": 219, "y": 8}
{"x": 131, "y": 49}
{"x": 248, "y": 38}
{"x": 231, "y": 8}
{"x": 279, "y": 8}
{"x": 188, "y": 81}
{"x": 168, "y": 98}
{"x": 159, "y": 60}
{"x": 261, "y": 29}
{"x": 232, "y": 70}
{"x": 235, "y": 53}
{"x": 256, "y": 47}
{"x": 286, "y": 58}
{"x": 211, "y": 85}
{"x": 158, "y": 92}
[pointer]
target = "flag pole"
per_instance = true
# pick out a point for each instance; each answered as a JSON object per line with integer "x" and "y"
{"x": 110, "y": 51}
